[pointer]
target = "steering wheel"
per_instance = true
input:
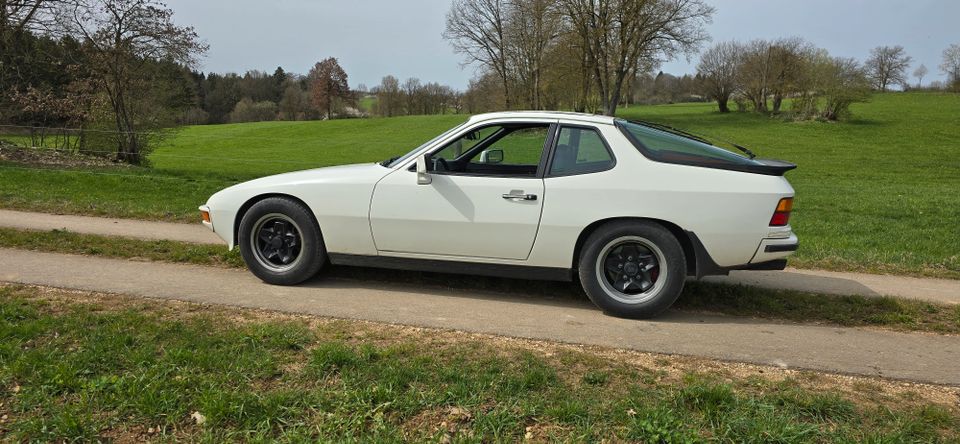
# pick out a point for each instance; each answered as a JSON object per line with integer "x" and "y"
{"x": 440, "y": 162}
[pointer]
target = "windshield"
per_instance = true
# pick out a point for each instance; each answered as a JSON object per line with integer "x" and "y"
{"x": 665, "y": 146}
{"x": 392, "y": 162}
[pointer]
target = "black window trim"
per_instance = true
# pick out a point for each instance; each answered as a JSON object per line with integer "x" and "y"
{"x": 541, "y": 167}
{"x": 556, "y": 139}
{"x": 763, "y": 166}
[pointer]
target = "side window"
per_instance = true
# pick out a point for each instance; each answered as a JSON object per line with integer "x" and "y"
{"x": 462, "y": 145}
{"x": 499, "y": 150}
{"x": 580, "y": 150}
{"x": 519, "y": 147}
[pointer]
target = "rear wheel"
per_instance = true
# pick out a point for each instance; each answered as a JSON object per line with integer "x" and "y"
{"x": 281, "y": 242}
{"x": 632, "y": 269}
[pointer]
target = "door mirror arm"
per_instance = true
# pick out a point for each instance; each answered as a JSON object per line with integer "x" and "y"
{"x": 423, "y": 177}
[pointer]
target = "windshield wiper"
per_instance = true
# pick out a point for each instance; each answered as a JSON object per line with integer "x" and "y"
{"x": 698, "y": 138}
{"x": 389, "y": 161}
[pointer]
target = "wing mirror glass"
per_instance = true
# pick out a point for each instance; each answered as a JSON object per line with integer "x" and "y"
{"x": 423, "y": 176}
{"x": 491, "y": 156}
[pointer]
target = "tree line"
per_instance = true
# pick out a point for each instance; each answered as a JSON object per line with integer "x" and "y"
{"x": 122, "y": 70}
{"x": 593, "y": 55}
{"x": 114, "y": 68}
{"x": 256, "y": 96}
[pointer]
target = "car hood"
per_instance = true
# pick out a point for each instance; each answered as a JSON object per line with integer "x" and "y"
{"x": 364, "y": 172}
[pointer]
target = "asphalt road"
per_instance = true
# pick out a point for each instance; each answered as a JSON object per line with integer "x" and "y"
{"x": 912, "y": 356}
{"x": 816, "y": 281}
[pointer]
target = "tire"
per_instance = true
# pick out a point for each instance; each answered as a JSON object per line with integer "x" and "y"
{"x": 620, "y": 254}
{"x": 280, "y": 242}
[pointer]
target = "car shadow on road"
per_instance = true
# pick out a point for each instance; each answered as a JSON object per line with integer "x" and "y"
{"x": 565, "y": 295}
{"x": 797, "y": 281}
{"x": 561, "y": 294}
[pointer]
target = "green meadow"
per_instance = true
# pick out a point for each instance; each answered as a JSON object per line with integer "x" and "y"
{"x": 877, "y": 193}
{"x": 82, "y": 367}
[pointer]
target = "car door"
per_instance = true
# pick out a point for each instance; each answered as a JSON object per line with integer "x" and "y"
{"x": 484, "y": 199}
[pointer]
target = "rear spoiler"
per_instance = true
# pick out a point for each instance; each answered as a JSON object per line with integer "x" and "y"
{"x": 770, "y": 167}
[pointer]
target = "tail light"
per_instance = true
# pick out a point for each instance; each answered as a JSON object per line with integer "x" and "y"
{"x": 781, "y": 217}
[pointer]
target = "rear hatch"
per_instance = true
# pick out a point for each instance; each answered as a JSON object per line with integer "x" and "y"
{"x": 666, "y": 144}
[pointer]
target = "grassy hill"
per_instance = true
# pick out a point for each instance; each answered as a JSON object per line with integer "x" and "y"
{"x": 878, "y": 193}
{"x": 248, "y": 150}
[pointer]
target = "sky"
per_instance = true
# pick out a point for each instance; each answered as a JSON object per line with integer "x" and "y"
{"x": 373, "y": 38}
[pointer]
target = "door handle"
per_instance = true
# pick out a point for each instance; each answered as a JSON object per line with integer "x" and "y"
{"x": 519, "y": 195}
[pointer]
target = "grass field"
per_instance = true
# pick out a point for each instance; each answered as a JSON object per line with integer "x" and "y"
{"x": 880, "y": 193}
{"x": 78, "y": 366}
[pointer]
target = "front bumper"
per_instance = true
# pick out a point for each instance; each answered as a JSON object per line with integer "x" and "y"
{"x": 207, "y": 219}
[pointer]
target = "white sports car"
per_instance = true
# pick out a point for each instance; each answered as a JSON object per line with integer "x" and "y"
{"x": 631, "y": 208}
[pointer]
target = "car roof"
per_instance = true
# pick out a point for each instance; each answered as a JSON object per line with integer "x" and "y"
{"x": 559, "y": 115}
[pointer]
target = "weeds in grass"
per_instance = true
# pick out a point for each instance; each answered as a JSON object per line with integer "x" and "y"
{"x": 89, "y": 371}
{"x": 62, "y": 241}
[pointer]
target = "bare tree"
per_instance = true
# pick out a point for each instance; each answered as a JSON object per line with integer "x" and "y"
{"x": 619, "y": 36}
{"x": 19, "y": 19}
{"x": 887, "y": 65}
{"x": 17, "y": 16}
{"x": 787, "y": 56}
{"x": 843, "y": 83}
{"x": 718, "y": 66}
{"x": 756, "y": 73}
{"x": 920, "y": 73}
{"x": 122, "y": 37}
{"x": 389, "y": 97}
{"x": 951, "y": 63}
{"x": 328, "y": 84}
{"x": 532, "y": 27}
{"x": 413, "y": 96}
{"x": 293, "y": 101}
{"x": 477, "y": 29}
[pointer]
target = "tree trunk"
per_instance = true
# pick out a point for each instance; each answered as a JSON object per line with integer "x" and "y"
{"x": 722, "y": 104}
{"x": 536, "y": 89}
{"x": 760, "y": 102}
{"x": 612, "y": 98}
{"x": 507, "y": 103}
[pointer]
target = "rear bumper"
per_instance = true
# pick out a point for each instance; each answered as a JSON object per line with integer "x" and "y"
{"x": 774, "y": 249}
{"x": 771, "y": 254}
{"x": 774, "y": 265}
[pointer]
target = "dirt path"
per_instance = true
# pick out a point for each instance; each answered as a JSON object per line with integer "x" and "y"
{"x": 193, "y": 233}
{"x": 920, "y": 357}
{"x": 817, "y": 281}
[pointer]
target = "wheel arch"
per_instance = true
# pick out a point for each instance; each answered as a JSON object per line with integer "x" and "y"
{"x": 242, "y": 211}
{"x": 684, "y": 237}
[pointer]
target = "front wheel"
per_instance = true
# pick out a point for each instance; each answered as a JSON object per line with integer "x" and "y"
{"x": 632, "y": 269}
{"x": 280, "y": 242}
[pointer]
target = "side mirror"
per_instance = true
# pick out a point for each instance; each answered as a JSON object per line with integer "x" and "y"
{"x": 491, "y": 156}
{"x": 423, "y": 177}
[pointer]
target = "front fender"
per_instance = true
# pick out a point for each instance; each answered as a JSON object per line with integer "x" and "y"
{"x": 338, "y": 197}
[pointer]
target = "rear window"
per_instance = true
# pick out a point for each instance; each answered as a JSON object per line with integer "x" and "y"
{"x": 667, "y": 147}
